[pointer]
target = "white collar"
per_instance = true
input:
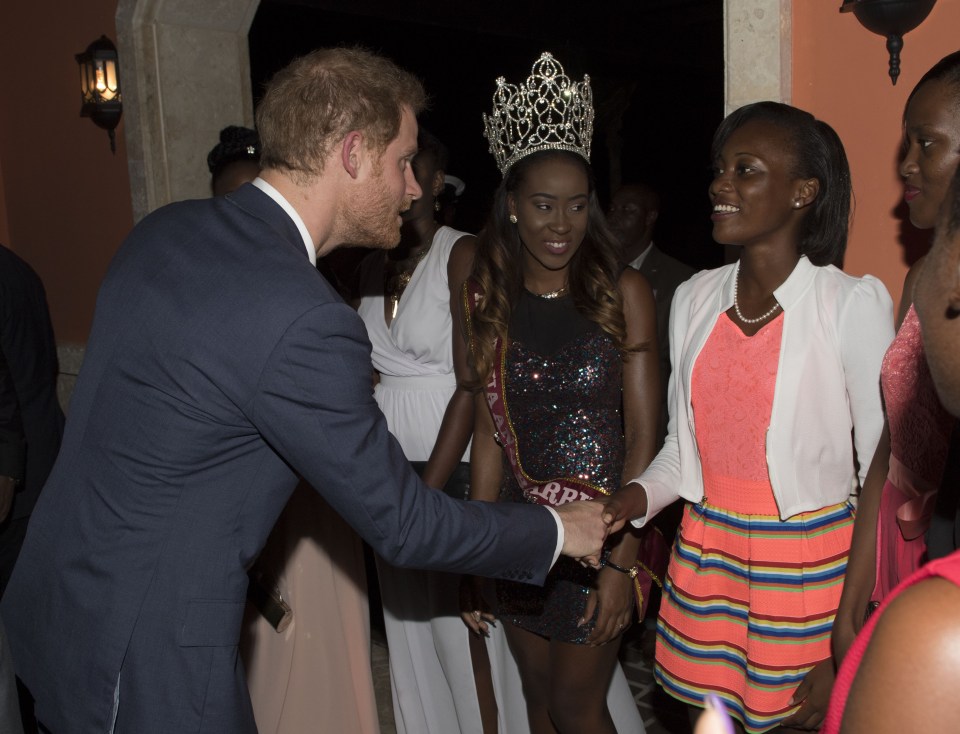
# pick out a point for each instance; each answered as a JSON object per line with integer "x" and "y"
{"x": 292, "y": 213}
{"x": 638, "y": 260}
{"x": 787, "y": 293}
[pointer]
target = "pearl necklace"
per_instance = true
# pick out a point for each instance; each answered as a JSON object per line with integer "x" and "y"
{"x": 736, "y": 304}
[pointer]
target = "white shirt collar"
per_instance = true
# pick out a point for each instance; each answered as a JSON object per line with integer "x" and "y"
{"x": 292, "y": 213}
{"x": 787, "y": 293}
{"x": 638, "y": 261}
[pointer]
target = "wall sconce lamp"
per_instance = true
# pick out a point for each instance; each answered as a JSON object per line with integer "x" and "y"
{"x": 892, "y": 19}
{"x": 100, "y": 86}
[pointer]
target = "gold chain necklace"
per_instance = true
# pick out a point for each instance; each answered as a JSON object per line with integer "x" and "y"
{"x": 396, "y": 278}
{"x": 550, "y": 295}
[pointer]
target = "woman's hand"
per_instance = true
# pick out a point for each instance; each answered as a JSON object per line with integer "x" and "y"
{"x": 614, "y": 594}
{"x": 474, "y": 610}
{"x": 861, "y": 577}
{"x": 814, "y": 692}
{"x": 845, "y": 631}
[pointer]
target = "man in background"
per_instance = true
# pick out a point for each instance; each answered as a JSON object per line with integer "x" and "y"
{"x": 31, "y": 426}
{"x": 31, "y": 422}
{"x": 632, "y": 216}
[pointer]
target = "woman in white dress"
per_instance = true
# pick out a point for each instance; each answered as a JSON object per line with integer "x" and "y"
{"x": 406, "y": 306}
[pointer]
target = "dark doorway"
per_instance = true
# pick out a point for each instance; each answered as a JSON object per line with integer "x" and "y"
{"x": 656, "y": 67}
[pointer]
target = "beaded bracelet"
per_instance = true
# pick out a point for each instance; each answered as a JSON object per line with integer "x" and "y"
{"x": 631, "y": 572}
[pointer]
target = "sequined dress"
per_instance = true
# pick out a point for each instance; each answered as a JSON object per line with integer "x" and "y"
{"x": 920, "y": 430}
{"x": 563, "y": 379}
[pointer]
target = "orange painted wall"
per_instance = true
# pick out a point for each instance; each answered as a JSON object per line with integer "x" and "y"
{"x": 64, "y": 198}
{"x": 840, "y": 75}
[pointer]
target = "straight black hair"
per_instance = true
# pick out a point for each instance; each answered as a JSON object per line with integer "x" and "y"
{"x": 817, "y": 153}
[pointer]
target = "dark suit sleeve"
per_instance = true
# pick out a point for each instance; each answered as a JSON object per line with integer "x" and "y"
{"x": 28, "y": 377}
{"x": 315, "y": 406}
{"x": 13, "y": 447}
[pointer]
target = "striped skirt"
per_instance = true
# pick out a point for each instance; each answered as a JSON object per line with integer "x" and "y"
{"x": 749, "y": 602}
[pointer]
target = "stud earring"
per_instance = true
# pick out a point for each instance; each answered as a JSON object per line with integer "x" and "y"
{"x": 796, "y": 203}
{"x": 513, "y": 219}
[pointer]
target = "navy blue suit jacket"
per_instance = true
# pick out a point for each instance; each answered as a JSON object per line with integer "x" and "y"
{"x": 220, "y": 366}
{"x": 28, "y": 378}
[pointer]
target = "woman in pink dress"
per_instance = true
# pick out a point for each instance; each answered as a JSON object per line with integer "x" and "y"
{"x": 901, "y": 486}
{"x": 900, "y": 675}
{"x": 313, "y": 675}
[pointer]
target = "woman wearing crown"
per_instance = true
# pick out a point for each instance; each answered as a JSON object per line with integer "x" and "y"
{"x": 563, "y": 348}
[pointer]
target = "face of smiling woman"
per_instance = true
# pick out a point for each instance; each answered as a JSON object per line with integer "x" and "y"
{"x": 754, "y": 191}
{"x": 551, "y": 206}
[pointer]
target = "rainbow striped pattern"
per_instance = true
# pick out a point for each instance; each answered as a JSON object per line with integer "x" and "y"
{"x": 748, "y": 607}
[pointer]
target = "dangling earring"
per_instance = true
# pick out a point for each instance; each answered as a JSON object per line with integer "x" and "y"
{"x": 513, "y": 219}
{"x": 436, "y": 205}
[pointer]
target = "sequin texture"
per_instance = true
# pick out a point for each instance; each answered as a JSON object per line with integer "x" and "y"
{"x": 565, "y": 409}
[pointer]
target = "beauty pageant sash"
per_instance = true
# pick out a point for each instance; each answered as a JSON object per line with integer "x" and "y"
{"x": 653, "y": 553}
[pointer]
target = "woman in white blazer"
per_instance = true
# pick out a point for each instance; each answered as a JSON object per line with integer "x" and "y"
{"x": 775, "y": 413}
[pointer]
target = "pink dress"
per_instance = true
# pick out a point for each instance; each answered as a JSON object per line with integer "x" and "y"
{"x": 919, "y": 435}
{"x": 947, "y": 568}
{"x": 315, "y": 676}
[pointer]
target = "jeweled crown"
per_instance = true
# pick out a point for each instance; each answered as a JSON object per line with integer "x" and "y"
{"x": 547, "y": 112}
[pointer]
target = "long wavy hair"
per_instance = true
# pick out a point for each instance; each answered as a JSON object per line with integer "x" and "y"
{"x": 498, "y": 270}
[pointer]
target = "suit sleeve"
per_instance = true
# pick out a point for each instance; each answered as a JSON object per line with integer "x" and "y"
{"x": 13, "y": 447}
{"x": 31, "y": 422}
{"x": 315, "y": 406}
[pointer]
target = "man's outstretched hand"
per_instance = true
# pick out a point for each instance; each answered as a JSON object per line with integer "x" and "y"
{"x": 584, "y": 530}
{"x": 587, "y": 524}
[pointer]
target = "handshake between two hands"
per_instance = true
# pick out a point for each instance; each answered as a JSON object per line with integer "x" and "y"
{"x": 587, "y": 524}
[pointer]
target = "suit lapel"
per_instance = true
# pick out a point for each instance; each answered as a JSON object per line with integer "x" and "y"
{"x": 650, "y": 266}
{"x": 651, "y": 263}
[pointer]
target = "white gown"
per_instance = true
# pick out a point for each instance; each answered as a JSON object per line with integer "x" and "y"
{"x": 431, "y": 673}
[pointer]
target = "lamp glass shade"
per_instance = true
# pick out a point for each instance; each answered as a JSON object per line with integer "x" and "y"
{"x": 112, "y": 82}
{"x": 99, "y": 74}
{"x": 100, "y": 85}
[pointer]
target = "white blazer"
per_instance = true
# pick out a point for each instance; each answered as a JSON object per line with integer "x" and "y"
{"x": 836, "y": 330}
